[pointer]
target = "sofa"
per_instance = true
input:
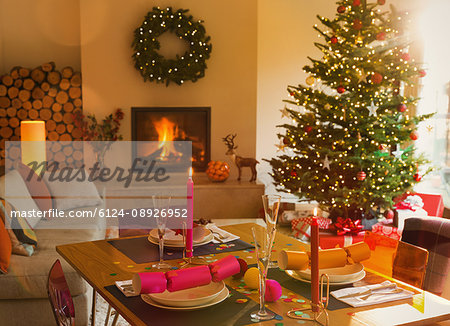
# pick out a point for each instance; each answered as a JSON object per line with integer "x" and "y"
{"x": 23, "y": 294}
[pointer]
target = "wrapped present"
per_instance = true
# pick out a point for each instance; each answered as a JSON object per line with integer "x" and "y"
{"x": 329, "y": 240}
{"x": 301, "y": 227}
{"x": 387, "y": 230}
{"x": 433, "y": 204}
{"x": 409, "y": 207}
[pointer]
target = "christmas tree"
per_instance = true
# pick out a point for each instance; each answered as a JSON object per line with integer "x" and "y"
{"x": 350, "y": 141}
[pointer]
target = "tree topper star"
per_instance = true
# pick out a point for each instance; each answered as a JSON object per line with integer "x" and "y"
{"x": 372, "y": 109}
{"x": 326, "y": 163}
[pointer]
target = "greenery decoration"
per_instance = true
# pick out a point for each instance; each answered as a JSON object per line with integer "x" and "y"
{"x": 152, "y": 65}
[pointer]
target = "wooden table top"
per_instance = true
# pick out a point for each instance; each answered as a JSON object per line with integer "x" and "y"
{"x": 101, "y": 264}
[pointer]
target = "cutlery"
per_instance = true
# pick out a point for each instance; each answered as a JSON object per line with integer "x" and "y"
{"x": 369, "y": 291}
{"x": 381, "y": 293}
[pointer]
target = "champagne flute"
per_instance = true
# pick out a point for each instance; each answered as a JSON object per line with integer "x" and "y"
{"x": 271, "y": 205}
{"x": 160, "y": 207}
{"x": 263, "y": 240}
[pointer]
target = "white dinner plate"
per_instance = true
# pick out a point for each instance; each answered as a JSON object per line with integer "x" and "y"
{"x": 201, "y": 236}
{"x": 358, "y": 277}
{"x": 222, "y": 296}
{"x": 189, "y": 297}
{"x": 338, "y": 274}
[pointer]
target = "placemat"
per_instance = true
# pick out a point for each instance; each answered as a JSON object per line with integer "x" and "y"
{"x": 303, "y": 288}
{"x": 228, "y": 312}
{"x": 141, "y": 251}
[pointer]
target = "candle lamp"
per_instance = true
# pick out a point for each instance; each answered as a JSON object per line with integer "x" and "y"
{"x": 32, "y": 135}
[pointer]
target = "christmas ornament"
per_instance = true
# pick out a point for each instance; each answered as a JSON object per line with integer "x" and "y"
{"x": 356, "y": 3}
{"x": 293, "y": 173}
{"x": 398, "y": 153}
{"x": 333, "y": 40}
{"x": 218, "y": 171}
{"x": 389, "y": 214}
{"x": 405, "y": 56}
{"x": 381, "y": 2}
{"x": 357, "y": 24}
{"x": 341, "y": 9}
{"x": 327, "y": 106}
{"x": 284, "y": 112}
{"x": 401, "y": 107}
{"x": 381, "y": 36}
{"x": 381, "y": 147}
{"x": 372, "y": 109}
{"x": 422, "y": 73}
{"x": 273, "y": 291}
{"x": 417, "y": 177}
{"x": 292, "y": 93}
{"x": 361, "y": 175}
{"x": 376, "y": 78}
{"x": 280, "y": 146}
{"x": 414, "y": 135}
{"x": 155, "y": 67}
{"x": 430, "y": 128}
{"x": 286, "y": 141}
{"x": 341, "y": 89}
{"x": 308, "y": 129}
{"x": 310, "y": 80}
{"x": 362, "y": 76}
{"x": 358, "y": 135}
{"x": 359, "y": 39}
{"x": 326, "y": 163}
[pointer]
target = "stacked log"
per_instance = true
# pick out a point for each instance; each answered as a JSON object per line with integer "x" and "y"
{"x": 46, "y": 94}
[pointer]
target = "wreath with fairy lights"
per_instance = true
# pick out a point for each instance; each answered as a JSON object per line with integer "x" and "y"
{"x": 152, "y": 65}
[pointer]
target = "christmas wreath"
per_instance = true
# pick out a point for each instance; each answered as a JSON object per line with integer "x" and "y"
{"x": 152, "y": 65}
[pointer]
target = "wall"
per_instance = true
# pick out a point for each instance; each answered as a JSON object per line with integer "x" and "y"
{"x": 33, "y": 32}
{"x": 229, "y": 87}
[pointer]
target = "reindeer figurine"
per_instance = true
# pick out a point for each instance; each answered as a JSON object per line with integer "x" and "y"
{"x": 239, "y": 160}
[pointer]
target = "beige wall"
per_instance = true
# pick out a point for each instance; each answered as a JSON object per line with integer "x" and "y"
{"x": 33, "y": 32}
{"x": 229, "y": 87}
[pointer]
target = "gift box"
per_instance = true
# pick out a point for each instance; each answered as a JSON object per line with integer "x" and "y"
{"x": 329, "y": 240}
{"x": 388, "y": 230}
{"x": 301, "y": 227}
{"x": 433, "y": 204}
{"x": 412, "y": 206}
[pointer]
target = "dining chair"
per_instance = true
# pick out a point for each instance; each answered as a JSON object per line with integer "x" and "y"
{"x": 396, "y": 259}
{"x": 432, "y": 234}
{"x": 59, "y": 296}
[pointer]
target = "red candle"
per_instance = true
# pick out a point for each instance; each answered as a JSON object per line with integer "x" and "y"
{"x": 190, "y": 215}
{"x": 315, "y": 262}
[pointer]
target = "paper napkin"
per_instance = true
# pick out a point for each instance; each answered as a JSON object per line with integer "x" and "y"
{"x": 354, "y": 296}
{"x": 225, "y": 236}
{"x": 126, "y": 287}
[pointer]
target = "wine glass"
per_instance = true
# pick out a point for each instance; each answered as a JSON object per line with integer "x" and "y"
{"x": 271, "y": 205}
{"x": 161, "y": 205}
{"x": 263, "y": 240}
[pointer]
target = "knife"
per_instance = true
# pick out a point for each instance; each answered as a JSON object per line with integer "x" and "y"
{"x": 369, "y": 291}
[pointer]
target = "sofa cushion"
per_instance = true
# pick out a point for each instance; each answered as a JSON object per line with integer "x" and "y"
{"x": 27, "y": 277}
{"x": 37, "y": 187}
{"x": 5, "y": 248}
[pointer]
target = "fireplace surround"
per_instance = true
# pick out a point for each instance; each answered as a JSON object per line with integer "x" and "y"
{"x": 167, "y": 124}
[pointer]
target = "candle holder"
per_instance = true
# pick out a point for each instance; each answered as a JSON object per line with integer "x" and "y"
{"x": 310, "y": 313}
{"x": 191, "y": 260}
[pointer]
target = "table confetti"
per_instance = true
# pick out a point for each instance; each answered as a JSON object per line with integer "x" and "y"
{"x": 279, "y": 324}
{"x": 350, "y": 313}
{"x": 278, "y": 317}
{"x": 147, "y": 268}
{"x": 283, "y": 296}
{"x": 113, "y": 274}
{"x": 301, "y": 322}
{"x": 288, "y": 244}
{"x": 298, "y": 313}
{"x": 130, "y": 266}
{"x": 287, "y": 300}
{"x": 116, "y": 262}
{"x": 241, "y": 300}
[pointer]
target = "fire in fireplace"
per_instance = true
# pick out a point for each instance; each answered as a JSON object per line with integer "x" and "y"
{"x": 166, "y": 125}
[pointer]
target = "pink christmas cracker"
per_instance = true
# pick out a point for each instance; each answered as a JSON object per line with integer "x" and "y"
{"x": 223, "y": 268}
{"x": 181, "y": 279}
{"x": 149, "y": 282}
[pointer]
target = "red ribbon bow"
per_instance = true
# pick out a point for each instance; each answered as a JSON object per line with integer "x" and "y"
{"x": 405, "y": 205}
{"x": 347, "y": 226}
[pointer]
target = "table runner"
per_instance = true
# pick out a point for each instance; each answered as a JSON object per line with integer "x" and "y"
{"x": 149, "y": 252}
{"x": 228, "y": 312}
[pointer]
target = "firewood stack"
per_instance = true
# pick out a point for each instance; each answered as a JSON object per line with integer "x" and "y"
{"x": 42, "y": 93}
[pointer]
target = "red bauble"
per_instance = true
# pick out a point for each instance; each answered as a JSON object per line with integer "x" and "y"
{"x": 361, "y": 175}
{"x": 405, "y": 56}
{"x": 357, "y": 24}
{"x": 286, "y": 141}
{"x": 308, "y": 128}
{"x": 417, "y": 177}
{"x": 422, "y": 73}
{"x": 341, "y": 89}
{"x": 292, "y": 93}
{"x": 381, "y": 2}
{"x": 401, "y": 107}
{"x": 414, "y": 135}
{"x": 341, "y": 9}
{"x": 381, "y": 36}
{"x": 389, "y": 214}
{"x": 293, "y": 173}
{"x": 333, "y": 40}
{"x": 376, "y": 78}
{"x": 356, "y": 3}
{"x": 381, "y": 147}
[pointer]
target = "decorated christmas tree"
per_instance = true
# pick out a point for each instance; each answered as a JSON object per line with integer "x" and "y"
{"x": 349, "y": 143}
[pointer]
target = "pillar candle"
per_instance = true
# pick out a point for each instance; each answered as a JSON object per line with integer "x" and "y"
{"x": 315, "y": 262}
{"x": 190, "y": 216}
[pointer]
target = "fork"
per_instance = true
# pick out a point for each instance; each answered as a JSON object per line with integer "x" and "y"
{"x": 373, "y": 293}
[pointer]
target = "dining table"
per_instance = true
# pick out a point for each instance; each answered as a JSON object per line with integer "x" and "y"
{"x": 101, "y": 263}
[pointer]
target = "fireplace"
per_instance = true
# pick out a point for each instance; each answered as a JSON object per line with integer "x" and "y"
{"x": 167, "y": 124}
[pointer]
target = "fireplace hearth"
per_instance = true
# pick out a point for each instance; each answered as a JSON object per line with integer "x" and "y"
{"x": 166, "y": 125}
